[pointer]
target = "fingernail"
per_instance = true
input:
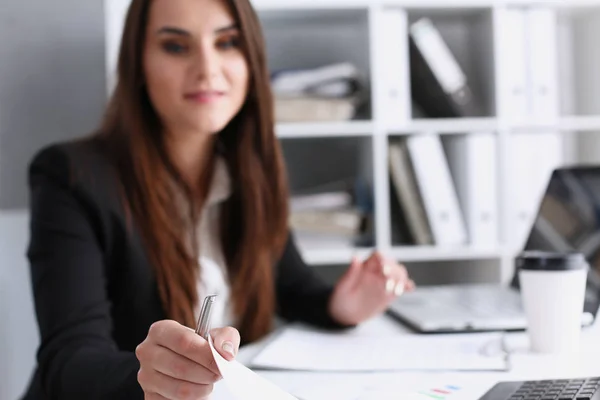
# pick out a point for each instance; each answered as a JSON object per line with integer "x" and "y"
{"x": 386, "y": 269}
{"x": 399, "y": 289}
{"x": 389, "y": 285}
{"x": 228, "y": 347}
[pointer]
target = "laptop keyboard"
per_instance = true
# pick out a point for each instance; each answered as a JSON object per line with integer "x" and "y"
{"x": 478, "y": 302}
{"x": 565, "y": 389}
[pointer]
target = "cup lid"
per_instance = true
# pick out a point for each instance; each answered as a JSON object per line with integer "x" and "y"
{"x": 550, "y": 261}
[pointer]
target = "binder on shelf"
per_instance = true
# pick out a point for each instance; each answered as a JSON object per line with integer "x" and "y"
{"x": 434, "y": 180}
{"x": 473, "y": 163}
{"x": 395, "y": 69}
{"x": 543, "y": 60}
{"x": 534, "y": 157}
{"x": 407, "y": 193}
{"x": 438, "y": 83}
{"x": 512, "y": 38}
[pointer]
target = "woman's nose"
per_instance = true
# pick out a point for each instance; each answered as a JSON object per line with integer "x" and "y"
{"x": 207, "y": 63}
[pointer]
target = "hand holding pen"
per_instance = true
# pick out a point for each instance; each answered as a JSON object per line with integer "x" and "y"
{"x": 177, "y": 363}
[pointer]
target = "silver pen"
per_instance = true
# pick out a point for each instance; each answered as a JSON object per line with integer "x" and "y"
{"x": 203, "y": 325}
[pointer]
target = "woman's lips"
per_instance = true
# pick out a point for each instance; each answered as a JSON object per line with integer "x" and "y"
{"x": 204, "y": 96}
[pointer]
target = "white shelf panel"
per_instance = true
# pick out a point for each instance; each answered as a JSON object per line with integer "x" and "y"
{"x": 565, "y": 4}
{"x": 334, "y": 255}
{"x": 324, "y": 129}
{"x": 437, "y": 253}
{"x": 447, "y": 125}
{"x": 307, "y": 4}
{"x": 341, "y": 255}
{"x": 579, "y": 123}
{"x": 419, "y": 4}
{"x": 441, "y": 4}
{"x": 567, "y": 123}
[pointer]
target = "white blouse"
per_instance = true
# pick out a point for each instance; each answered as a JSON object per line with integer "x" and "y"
{"x": 213, "y": 277}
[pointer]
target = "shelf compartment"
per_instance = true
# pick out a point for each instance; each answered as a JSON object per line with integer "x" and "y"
{"x": 309, "y": 39}
{"x": 468, "y": 33}
{"x": 332, "y": 190}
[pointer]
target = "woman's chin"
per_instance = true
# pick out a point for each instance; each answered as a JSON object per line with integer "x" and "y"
{"x": 209, "y": 124}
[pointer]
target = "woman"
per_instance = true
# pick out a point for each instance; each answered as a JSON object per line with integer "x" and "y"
{"x": 181, "y": 193}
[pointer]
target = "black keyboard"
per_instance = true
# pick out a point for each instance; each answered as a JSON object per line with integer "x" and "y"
{"x": 562, "y": 389}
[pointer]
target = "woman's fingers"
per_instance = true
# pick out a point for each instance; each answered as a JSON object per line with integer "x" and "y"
{"x": 176, "y": 366}
{"x": 176, "y": 363}
{"x": 171, "y": 388}
{"x": 396, "y": 278}
{"x": 226, "y": 341}
{"x": 183, "y": 341}
{"x": 410, "y": 285}
{"x": 375, "y": 262}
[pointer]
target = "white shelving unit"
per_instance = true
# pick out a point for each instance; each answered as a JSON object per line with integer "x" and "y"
{"x": 549, "y": 78}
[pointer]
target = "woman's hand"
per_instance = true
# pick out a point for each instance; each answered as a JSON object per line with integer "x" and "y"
{"x": 176, "y": 363}
{"x": 367, "y": 288}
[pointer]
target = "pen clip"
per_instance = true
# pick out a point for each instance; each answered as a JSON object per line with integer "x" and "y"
{"x": 203, "y": 325}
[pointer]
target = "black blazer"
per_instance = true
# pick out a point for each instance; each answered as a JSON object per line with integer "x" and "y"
{"x": 94, "y": 290}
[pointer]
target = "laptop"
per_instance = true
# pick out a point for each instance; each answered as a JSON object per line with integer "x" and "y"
{"x": 568, "y": 219}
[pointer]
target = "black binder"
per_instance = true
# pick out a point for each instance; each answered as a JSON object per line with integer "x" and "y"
{"x": 429, "y": 94}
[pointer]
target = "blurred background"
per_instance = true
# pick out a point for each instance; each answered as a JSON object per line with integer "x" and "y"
{"x": 427, "y": 129}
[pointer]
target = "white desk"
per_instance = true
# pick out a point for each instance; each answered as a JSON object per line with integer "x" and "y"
{"x": 524, "y": 365}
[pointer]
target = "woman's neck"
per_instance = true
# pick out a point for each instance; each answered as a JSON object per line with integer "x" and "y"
{"x": 192, "y": 155}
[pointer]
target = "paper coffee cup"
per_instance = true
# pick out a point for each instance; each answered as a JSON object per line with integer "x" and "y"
{"x": 553, "y": 292}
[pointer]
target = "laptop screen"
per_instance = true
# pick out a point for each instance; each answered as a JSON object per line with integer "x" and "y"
{"x": 568, "y": 219}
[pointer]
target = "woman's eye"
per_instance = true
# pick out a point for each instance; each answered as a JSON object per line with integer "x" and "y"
{"x": 174, "y": 48}
{"x": 228, "y": 43}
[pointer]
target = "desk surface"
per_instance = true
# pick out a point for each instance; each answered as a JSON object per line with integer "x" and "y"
{"x": 524, "y": 365}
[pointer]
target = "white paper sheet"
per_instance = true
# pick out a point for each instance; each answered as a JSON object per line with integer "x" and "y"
{"x": 406, "y": 386}
{"x": 296, "y": 349}
{"x": 242, "y": 383}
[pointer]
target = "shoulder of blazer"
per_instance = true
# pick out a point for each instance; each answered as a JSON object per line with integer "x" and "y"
{"x": 84, "y": 169}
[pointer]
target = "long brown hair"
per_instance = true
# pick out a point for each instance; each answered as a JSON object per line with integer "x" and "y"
{"x": 253, "y": 220}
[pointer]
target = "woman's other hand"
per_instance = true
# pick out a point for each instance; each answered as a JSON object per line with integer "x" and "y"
{"x": 367, "y": 288}
{"x": 177, "y": 364}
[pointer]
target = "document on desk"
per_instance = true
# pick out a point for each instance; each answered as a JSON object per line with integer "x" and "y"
{"x": 404, "y": 386}
{"x": 242, "y": 383}
{"x": 296, "y": 349}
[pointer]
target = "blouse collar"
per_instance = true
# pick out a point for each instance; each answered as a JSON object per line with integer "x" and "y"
{"x": 220, "y": 186}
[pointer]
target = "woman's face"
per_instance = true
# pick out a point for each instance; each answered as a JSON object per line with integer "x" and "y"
{"x": 194, "y": 69}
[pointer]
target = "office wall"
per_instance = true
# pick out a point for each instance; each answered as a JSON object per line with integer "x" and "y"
{"x": 18, "y": 332}
{"x": 51, "y": 88}
{"x": 51, "y": 81}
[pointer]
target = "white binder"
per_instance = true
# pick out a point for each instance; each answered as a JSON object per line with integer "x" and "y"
{"x": 512, "y": 26}
{"x": 473, "y": 164}
{"x": 437, "y": 189}
{"x": 543, "y": 60}
{"x": 396, "y": 107}
{"x": 533, "y": 158}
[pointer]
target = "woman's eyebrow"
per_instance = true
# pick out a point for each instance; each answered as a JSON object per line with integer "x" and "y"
{"x": 227, "y": 28}
{"x": 183, "y": 32}
{"x": 175, "y": 31}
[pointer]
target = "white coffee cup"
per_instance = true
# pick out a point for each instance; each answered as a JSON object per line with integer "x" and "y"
{"x": 553, "y": 292}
